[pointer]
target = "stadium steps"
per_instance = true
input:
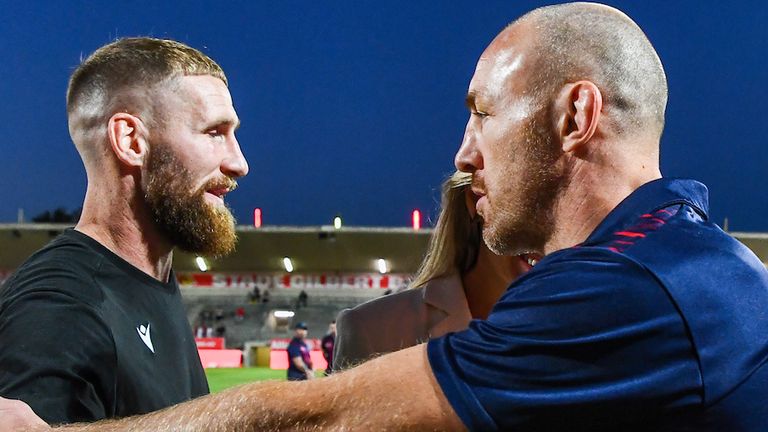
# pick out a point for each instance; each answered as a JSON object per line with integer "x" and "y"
{"x": 322, "y": 307}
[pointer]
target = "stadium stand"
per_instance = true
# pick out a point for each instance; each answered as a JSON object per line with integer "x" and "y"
{"x": 336, "y": 268}
{"x": 256, "y": 325}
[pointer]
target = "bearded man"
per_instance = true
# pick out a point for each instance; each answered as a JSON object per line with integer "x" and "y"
{"x": 92, "y": 325}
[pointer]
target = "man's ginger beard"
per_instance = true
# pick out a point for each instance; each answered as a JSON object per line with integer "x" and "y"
{"x": 183, "y": 216}
{"x": 523, "y": 212}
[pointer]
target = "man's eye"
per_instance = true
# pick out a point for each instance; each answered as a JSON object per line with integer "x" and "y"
{"x": 480, "y": 114}
{"x": 215, "y": 133}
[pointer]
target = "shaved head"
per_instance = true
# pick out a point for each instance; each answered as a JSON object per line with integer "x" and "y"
{"x": 566, "y": 107}
{"x": 588, "y": 41}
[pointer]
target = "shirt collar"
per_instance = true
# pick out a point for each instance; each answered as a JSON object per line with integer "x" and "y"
{"x": 648, "y": 198}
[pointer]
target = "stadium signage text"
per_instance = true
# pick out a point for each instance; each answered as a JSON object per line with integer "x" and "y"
{"x": 296, "y": 281}
{"x": 209, "y": 343}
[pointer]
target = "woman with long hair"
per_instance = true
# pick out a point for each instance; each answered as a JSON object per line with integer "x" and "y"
{"x": 459, "y": 280}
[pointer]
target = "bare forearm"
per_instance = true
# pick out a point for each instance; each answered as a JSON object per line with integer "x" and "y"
{"x": 394, "y": 392}
{"x": 268, "y": 406}
{"x": 300, "y": 365}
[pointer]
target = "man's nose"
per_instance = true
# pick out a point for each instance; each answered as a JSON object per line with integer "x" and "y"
{"x": 468, "y": 157}
{"x": 234, "y": 165}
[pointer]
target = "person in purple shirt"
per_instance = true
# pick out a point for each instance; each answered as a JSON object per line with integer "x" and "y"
{"x": 327, "y": 345}
{"x": 299, "y": 360}
{"x": 642, "y": 314}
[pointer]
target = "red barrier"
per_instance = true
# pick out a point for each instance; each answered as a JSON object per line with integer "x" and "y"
{"x": 210, "y": 343}
{"x": 278, "y": 354}
{"x": 217, "y": 358}
{"x": 282, "y": 343}
{"x": 278, "y": 359}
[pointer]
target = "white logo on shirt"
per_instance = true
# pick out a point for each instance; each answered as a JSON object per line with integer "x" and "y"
{"x": 144, "y": 335}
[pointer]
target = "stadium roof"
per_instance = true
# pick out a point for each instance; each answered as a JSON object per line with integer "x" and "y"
{"x": 311, "y": 249}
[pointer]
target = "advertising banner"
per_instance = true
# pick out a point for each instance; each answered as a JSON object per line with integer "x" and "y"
{"x": 270, "y": 281}
{"x": 209, "y": 343}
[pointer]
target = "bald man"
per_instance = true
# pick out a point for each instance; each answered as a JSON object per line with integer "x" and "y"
{"x": 641, "y": 315}
{"x": 92, "y": 326}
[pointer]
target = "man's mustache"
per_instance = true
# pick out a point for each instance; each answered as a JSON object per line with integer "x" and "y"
{"x": 227, "y": 183}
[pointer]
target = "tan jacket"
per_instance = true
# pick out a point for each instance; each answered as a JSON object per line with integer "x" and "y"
{"x": 401, "y": 320}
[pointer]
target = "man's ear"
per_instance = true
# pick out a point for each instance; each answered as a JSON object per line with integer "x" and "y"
{"x": 578, "y": 106}
{"x": 128, "y": 138}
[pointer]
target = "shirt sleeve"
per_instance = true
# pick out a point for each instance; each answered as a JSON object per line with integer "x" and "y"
{"x": 345, "y": 352}
{"x": 587, "y": 340}
{"x": 294, "y": 350}
{"x": 57, "y": 355}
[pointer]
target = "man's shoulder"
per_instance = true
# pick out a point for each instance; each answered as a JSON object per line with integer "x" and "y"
{"x": 684, "y": 251}
{"x": 585, "y": 289}
{"x": 65, "y": 266}
{"x": 687, "y": 271}
{"x": 295, "y": 345}
{"x": 663, "y": 242}
{"x": 582, "y": 263}
{"x": 674, "y": 233}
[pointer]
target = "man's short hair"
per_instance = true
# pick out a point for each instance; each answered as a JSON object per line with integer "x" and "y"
{"x": 578, "y": 41}
{"x": 131, "y": 66}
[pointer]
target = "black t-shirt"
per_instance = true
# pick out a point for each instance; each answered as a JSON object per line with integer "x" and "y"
{"x": 84, "y": 335}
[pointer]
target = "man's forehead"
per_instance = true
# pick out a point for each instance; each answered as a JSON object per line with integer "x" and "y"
{"x": 495, "y": 73}
{"x": 209, "y": 95}
{"x": 204, "y": 87}
{"x": 504, "y": 58}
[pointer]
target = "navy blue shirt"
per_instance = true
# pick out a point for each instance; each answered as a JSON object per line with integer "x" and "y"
{"x": 658, "y": 321}
{"x": 298, "y": 348}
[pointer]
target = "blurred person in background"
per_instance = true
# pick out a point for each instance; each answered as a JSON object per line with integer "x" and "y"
{"x": 302, "y": 300}
{"x": 299, "y": 358}
{"x": 92, "y": 325}
{"x": 327, "y": 344}
{"x": 459, "y": 280}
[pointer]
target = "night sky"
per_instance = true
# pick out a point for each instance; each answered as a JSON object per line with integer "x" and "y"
{"x": 357, "y": 108}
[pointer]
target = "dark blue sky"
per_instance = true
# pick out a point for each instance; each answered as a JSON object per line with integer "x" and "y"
{"x": 357, "y": 107}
